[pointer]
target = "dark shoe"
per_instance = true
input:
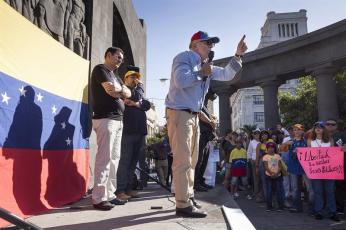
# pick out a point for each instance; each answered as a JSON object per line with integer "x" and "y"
{"x": 104, "y": 206}
{"x": 280, "y": 209}
{"x": 318, "y": 216}
{"x": 195, "y": 203}
{"x": 190, "y": 211}
{"x": 269, "y": 209}
{"x": 294, "y": 210}
{"x": 117, "y": 201}
{"x": 340, "y": 211}
{"x": 335, "y": 218}
{"x": 206, "y": 186}
{"x": 200, "y": 188}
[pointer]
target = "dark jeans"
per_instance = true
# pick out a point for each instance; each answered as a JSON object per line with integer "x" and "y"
{"x": 169, "y": 174}
{"x": 328, "y": 186}
{"x": 142, "y": 163}
{"x": 340, "y": 195}
{"x": 132, "y": 147}
{"x": 203, "y": 155}
{"x": 297, "y": 188}
{"x": 274, "y": 184}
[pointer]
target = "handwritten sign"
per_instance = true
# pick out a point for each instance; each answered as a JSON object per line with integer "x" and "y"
{"x": 322, "y": 163}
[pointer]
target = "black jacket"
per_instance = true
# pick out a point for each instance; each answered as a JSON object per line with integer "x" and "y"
{"x": 135, "y": 119}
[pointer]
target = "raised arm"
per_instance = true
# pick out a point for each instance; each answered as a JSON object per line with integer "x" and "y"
{"x": 234, "y": 65}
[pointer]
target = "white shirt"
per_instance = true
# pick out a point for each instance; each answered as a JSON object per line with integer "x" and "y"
{"x": 286, "y": 139}
{"x": 251, "y": 150}
{"x": 319, "y": 143}
{"x": 286, "y": 133}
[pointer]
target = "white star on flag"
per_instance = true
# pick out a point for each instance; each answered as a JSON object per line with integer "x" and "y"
{"x": 54, "y": 109}
{"x": 68, "y": 141}
{"x": 63, "y": 125}
{"x": 5, "y": 98}
{"x": 39, "y": 97}
{"x": 22, "y": 91}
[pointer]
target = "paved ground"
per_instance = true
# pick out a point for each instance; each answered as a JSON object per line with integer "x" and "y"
{"x": 137, "y": 214}
{"x": 263, "y": 220}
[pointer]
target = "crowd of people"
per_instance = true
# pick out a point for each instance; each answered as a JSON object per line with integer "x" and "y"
{"x": 269, "y": 166}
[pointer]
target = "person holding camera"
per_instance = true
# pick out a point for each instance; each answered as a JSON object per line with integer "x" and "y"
{"x": 192, "y": 72}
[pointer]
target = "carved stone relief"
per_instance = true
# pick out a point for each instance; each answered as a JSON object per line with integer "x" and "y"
{"x": 62, "y": 19}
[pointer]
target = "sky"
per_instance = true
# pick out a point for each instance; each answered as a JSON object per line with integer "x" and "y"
{"x": 171, "y": 23}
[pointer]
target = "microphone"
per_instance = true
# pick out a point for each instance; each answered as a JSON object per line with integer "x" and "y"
{"x": 210, "y": 59}
{"x": 211, "y": 56}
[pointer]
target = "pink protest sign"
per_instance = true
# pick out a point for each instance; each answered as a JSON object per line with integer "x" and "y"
{"x": 322, "y": 163}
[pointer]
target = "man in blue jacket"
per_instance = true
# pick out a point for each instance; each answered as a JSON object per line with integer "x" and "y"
{"x": 133, "y": 137}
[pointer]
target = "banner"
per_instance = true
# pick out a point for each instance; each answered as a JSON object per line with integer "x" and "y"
{"x": 322, "y": 163}
{"x": 43, "y": 119}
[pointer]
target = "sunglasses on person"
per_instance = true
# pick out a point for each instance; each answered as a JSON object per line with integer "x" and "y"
{"x": 318, "y": 125}
{"x": 330, "y": 124}
{"x": 208, "y": 42}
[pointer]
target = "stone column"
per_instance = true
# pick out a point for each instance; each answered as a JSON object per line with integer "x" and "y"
{"x": 225, "y": 110}
{"x": 326, "y": 92}
{"x": 271, "y": 106}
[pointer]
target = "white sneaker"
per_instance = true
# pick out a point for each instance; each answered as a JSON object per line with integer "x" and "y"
{"x": 249, "y": 197}
{"x": 236, "y": 194}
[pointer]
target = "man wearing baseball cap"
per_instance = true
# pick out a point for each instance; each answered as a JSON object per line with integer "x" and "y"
{"x": 133, "y": 136}
{"x": 190, "y": 80}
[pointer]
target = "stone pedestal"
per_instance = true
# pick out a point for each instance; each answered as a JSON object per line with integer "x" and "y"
{"x": 326, "y": 92}
{"x": 225, "y": 110}
{"x": 271, "y": 106}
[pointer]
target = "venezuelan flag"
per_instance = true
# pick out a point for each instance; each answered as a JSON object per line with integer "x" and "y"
{"x": 238, "y": 168}
{"x": 43, "y": 119}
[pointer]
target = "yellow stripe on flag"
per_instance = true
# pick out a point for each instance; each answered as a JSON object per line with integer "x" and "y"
{"x": 30, "y": 55}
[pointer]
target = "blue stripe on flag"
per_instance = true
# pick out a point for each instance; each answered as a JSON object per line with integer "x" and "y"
{"x": 34, "y": 118}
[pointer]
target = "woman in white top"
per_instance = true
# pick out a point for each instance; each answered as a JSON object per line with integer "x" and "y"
{"x": 320, "y": 138}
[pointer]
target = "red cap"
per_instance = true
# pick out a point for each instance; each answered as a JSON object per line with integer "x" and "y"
{"x": 203, "y": 36}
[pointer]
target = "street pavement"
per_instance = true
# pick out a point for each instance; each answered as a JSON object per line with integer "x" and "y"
{"x": 137, "y": 214}
{"x": 285, "y": 220}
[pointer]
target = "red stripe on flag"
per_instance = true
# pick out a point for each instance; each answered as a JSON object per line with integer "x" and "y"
{"x": 33, "y": 181}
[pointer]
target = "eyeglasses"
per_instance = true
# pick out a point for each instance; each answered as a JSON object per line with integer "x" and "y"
{"x": 331, "y": 124}
{"x": 208, "y": 42}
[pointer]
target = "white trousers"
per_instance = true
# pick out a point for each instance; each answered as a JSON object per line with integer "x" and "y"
{"x": 108, "y": 134}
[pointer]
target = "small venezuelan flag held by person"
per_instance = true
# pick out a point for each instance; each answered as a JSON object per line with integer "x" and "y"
{"x": 44, "y": 125}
